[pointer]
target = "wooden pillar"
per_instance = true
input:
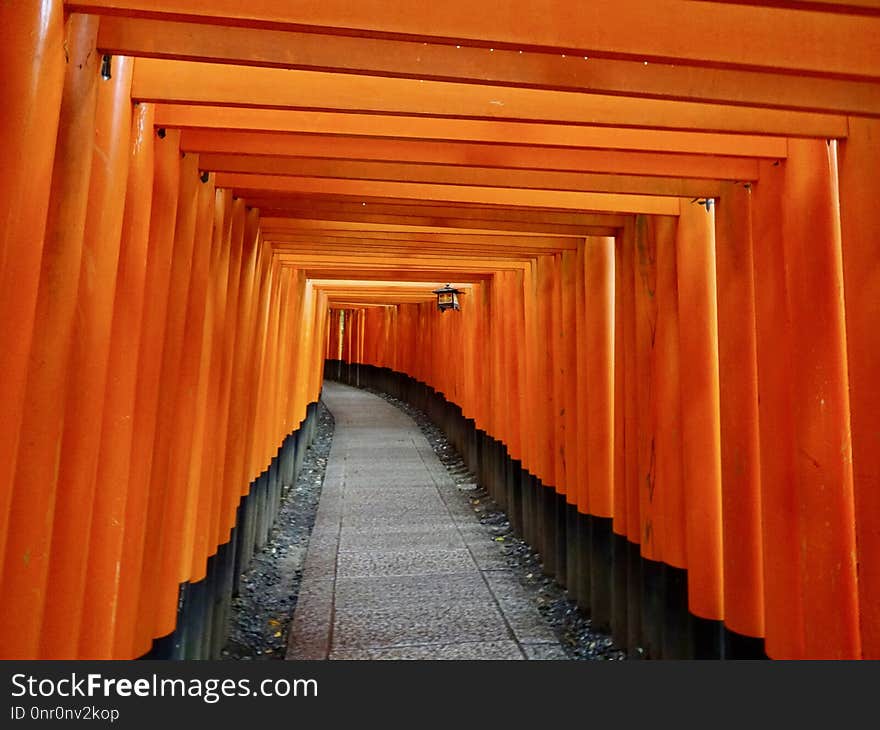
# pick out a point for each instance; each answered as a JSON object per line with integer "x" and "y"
{"x": 701, "y": 436}
{"x": 632, "y": 522}
{"x": 32, "y": 503}
{"x": 546, "y": 403}
{"x": 529, "y": 376}
{"x": 226, "y": 298}
{"x": 84, "y": 404}
{"x": 573, "y": 371}
{"x": 560, "y": 374}
{"x": 599, "y": 437}
{"x": 619, "y": 599}
{"x": 258, "y": 355}
{"x": 154, "y": 593}
{"x": 117, "y": 425}
{"x": 783, "y": 597}
{"x": 738, "y": 380}
{"x": 581, "y": 383}
{"x": 32, "y": 57}
{"x": 667, "y": 400}
{"x": 518, "y": 341}
{"x": 234, "y": 486}
{"x": 650, "y": 512}
{"x": 859, "y": 160}
{"x": 823, "y": 449}
{"x": 200, "y": 488}
{"x": 128, "y": 641}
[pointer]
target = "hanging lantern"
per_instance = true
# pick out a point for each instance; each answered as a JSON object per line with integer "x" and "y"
{"x": 447, "y": 298}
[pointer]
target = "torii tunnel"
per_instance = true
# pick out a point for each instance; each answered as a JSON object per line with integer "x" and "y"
{"x": 660, "y": 214}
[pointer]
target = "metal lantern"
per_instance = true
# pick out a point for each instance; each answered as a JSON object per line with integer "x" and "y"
{"x": 447, "y": 298}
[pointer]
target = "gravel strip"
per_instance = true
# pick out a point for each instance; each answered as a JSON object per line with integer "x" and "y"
{"x": 261, "y": 613}
{"x": 568, "y": 622}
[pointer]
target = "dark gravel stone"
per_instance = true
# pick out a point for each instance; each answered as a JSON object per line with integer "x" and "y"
{"x": 567, "y": 621}
{"x": 262, "y": 611}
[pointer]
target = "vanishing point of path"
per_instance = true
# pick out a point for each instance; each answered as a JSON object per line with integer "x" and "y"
{"x": 398, "y": 567}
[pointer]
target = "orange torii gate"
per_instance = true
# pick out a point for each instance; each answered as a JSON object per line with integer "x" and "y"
{"x": 662, "y": 221}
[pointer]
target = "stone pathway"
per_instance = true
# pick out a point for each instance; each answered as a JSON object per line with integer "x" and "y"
{"x": 398, "y": 566}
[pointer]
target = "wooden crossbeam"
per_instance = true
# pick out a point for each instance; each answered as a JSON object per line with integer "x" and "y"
{"x": 499, "y": 156}
{"x": 275, "y": 220}
{"x": 495, "y": 132}
{"x": 184, "y": 82}
{"x": 443, "y": 62}
{"x": 460, "y": 175}
{"x": 612, "y": 203}
{"x": 713, "y": 34}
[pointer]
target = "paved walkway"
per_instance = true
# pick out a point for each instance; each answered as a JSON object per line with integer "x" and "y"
{"x": 398, "y": 566}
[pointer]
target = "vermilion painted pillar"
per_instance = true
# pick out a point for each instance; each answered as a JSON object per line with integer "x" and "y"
{"x": 517, "y": 308}
{"x": 252, "y": 468}
{"x": 32, "y": 58}
{"x": 859, "y": 160}
{"x": 650, "y": 512}
{"x": 346, "y": 337}
{"x": 783, "y": 596}
{"x": 288, "y": 292}
{"x": 599, "y": 273}
{"x": 558, "y": 421}
{"x": 359, "y": 349}
{"x": 247, "y": 394}
{"x": 631, "y": 521}
{"x": 631, "y": 413}
{"x": 580, "y": 385}
{"x": 177, "y": 512}
{"x": 500, "y": 405}
{"x": 823, "y": 448}
{"x": 574, "y": 435}
{"x": 294, "y": 334}
{"x": 513, "y": 334}
{"x": 740, "y": 443}
{"x": 32, "y": 503}
{"x": 234, "y": 457}
{"x": 315, "y": 367}
{"x": 667, "y": 399}
{"x": 599, "y": 437}
{"x": 394, "y": 342}
{"x": 620, "y": 392}
{"x": 200, "y": 490}
{"x": 334, "y": 340}
{"x": 701, "y": 435}
{"x": 154, "y": 593}
{"x": 166, "y": 193}
{"x": 499, "y": 413}
{"x": 270, "y": 428}
{"x": 404, "y": 337}
{"x": 474, "y": 312}
{"x": 288, "y": 333}
{"x": 532, "y": 456}
{"x": 226, "y": 294}
{"x": 546, "y": 407}
{"x": 84, "y": 405}
{"x": 272, "y": 432}
{"x": 117, "y": 425}
{"x": 488, "y": 347}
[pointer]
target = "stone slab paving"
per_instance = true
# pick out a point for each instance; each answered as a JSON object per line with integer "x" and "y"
{"x": 398, "y": 567}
